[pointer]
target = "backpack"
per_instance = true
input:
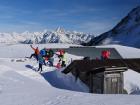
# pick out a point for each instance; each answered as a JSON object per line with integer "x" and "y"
{"x": 43, "y": 52}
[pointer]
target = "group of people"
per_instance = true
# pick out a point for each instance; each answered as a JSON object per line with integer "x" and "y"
{"x": 46, "y": 57}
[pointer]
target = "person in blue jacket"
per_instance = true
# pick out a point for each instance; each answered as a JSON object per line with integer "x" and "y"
{"x": 41, "y": 61}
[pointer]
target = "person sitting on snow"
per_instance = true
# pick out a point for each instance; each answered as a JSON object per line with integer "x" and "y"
{"x": 36, "y": 52}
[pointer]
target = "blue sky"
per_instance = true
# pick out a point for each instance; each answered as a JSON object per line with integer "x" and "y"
{"x": 91, "y": 16}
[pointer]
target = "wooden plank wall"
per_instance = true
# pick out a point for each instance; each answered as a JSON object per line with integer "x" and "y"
{"x": 133, "y": 64}
{"x": 89, "y": 65}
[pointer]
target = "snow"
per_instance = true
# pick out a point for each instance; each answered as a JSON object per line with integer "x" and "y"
{"x": 20, "y": 84}
{"x": 131, "y": 84}
{"x": 24, "y": 50}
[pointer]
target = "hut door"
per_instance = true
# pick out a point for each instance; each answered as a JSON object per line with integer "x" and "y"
{"x": 112, "y": 83}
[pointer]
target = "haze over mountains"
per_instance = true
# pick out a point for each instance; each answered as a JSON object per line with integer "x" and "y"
{"x": 126, "y": 32}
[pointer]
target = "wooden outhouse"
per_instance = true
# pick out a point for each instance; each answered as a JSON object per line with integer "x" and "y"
{"x": 108, "y": 80}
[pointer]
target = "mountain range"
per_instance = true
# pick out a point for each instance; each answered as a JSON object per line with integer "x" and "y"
{"x": 126, "y": 32}
{"x": 57, "y": 36}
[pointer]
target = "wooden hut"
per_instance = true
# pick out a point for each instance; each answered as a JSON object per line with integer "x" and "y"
{"x": 100, "y": 76}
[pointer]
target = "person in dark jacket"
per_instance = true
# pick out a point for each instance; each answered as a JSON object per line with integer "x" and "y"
{"x": 41, "y": 62}
{"x": 63, "y": 60}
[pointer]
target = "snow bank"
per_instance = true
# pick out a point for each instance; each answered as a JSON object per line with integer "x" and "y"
{"x": 69, "y": 81}
{"x": 62, "y": 81}
{"x": 131, "y": 82}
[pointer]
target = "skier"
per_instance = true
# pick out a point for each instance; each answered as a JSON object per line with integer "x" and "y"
{"x": 36, "y": 52}
{"x": 41, "y": 62}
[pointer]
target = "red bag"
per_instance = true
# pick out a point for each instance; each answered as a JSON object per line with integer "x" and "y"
{"x": 58, "y": 65}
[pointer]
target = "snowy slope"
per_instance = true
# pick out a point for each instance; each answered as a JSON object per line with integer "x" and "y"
{"x": 57, "y": 36}
{"x": 126, "y": 32}
{"x": 21, "y": 85}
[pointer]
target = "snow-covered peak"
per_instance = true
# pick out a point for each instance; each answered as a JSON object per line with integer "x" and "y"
{"x": 135, "y": 11}
{"x": 126, "y": 32}
{"x": 60, "y": 30}
{"x": 132, "y": 20}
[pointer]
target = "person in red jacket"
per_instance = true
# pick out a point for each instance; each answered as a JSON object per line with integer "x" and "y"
{"x": 36, "y": 52}
{"x": 105, "y": 55}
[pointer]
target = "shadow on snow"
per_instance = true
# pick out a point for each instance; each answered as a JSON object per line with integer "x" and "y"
{"x": 59, "y": 80}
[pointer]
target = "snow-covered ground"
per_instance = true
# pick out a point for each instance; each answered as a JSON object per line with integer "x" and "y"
{"x": 20, "y": 84}
{"x": 24, "y": 50}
